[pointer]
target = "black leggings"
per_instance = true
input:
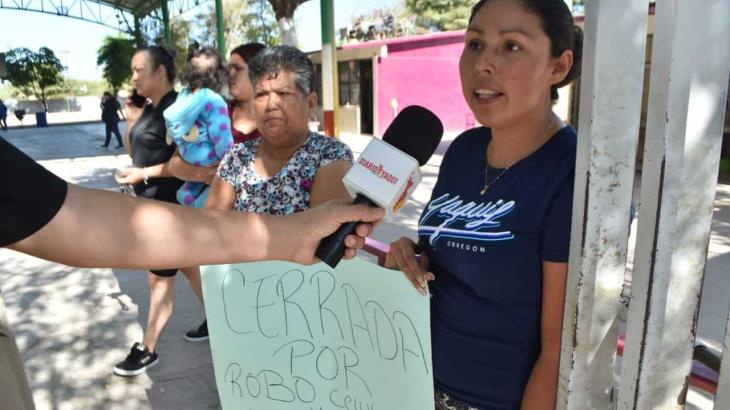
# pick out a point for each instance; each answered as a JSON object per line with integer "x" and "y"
{"x": 113, "y": 128}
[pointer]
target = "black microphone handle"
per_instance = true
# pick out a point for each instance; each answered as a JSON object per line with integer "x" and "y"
{"x": 332, "y": 248}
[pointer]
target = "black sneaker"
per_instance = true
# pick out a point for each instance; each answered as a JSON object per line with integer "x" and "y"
{"x": 137, "y": 362}
{"x": 198, "y": 335}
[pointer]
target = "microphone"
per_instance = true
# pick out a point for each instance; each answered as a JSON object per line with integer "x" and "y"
{"x": 387, "y": 172}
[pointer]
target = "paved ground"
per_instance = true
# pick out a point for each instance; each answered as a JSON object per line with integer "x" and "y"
{"x": 74, "y": 324}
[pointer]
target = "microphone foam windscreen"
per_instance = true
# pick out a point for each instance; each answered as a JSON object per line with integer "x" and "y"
{"x": 415, "y": 131}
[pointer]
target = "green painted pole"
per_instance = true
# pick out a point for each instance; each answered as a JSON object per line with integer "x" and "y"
{"x": 327, "y": 15}
{"x": 330, "y": 99}
{"x": 166, "y": 23}
{"x": 220, "y": 27}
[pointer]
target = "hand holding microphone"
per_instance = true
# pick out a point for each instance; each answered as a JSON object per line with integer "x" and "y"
{"x": 387, "y": 171}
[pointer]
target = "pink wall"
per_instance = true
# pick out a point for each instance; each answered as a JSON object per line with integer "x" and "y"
{"x": 424, "y": 71}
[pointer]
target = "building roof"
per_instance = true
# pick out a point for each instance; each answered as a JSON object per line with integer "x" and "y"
{"x": 370, "y": 49}
{"x": 425, "y": 38}
{"x": 117, "y": 14}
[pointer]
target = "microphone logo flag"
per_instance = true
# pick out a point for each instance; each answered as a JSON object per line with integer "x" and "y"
{"x": 385, "y": 175}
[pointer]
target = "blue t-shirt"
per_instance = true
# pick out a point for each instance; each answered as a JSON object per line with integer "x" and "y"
{"x": 487, "y": 252}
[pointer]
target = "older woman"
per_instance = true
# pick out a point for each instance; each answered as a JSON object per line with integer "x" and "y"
{"x": 289, "y": 168}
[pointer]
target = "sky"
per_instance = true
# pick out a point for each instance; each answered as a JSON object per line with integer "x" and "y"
{"x": 75, "y": 42}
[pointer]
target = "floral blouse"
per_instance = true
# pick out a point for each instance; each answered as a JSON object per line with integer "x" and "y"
{"x": 288, "y": 191}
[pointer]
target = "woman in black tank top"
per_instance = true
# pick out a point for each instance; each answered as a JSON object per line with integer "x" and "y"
{"x": 153, "y": 74}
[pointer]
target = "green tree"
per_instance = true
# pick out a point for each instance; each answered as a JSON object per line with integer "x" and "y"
{"x": 77, "y": 88}
{"x": 245, "y": 22}
{"x": 441, "y": 14}
{"x": 182, "y": 32}
{"x": 115, "y": 55}
{"x": 34, "y": 73}
{"x": 256, "y": 24}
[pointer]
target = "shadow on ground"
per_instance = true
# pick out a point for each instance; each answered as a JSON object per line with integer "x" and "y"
{"x": 185, "y": 372}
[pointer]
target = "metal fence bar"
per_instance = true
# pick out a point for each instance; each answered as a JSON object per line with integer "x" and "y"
{"x": 610, "y": 107}
{"x": 690, "y": 68}
{"x": 657, "y": 128}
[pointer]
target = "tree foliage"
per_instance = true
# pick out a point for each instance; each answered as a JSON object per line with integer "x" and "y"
{"x": 245, "y": 22}
{"x": 34, "y": 73}
{"x": 441, "y": 15}
{"x": 71, "y": 88}
{"x": 115, "y": 55}
{"x": 259, "y": 24}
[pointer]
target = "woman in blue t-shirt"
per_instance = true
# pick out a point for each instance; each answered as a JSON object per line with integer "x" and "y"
{"x": 494, "y": 237}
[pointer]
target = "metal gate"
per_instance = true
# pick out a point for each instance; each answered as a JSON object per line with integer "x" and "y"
{"x": 687, "y": 97}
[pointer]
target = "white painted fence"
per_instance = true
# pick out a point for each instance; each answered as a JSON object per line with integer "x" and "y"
{"x": 689, "y": 77}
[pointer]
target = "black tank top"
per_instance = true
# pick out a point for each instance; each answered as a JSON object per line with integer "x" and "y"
{"x": 149, "y": 147}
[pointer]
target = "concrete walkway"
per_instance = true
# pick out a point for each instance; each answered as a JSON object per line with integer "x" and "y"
{"x": 73, "y": 324}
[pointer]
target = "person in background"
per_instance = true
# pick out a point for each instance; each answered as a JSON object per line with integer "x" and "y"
{"x": 153, "y": 75}
{"x": 198, "y": 121}
{"x": 243, "y": 128}
{"x": 240, "y": 108}
{"x": 200, "y": 125}
{"x": 43, "y": 216}
{"x": 176, "y": 167}
{"x": 3, "y": 115}
{"x": 495, "y": 235}
{"x": 240, "y": 105}
{"x": 243, "y": 123}
{"x": 109, "y": 114}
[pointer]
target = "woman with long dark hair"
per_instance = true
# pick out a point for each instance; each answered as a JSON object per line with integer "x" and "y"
{"x": 494, "y": 237}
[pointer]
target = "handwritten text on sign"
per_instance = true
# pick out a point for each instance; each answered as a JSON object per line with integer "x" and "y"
{"x": 287, "y": 336}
